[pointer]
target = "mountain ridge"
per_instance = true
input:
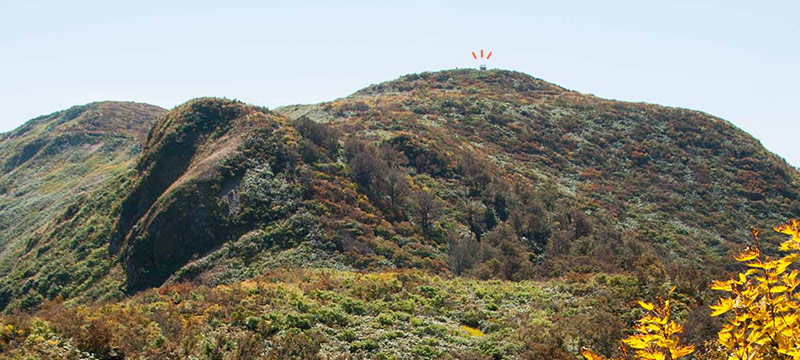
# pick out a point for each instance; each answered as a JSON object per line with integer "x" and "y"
{"x": 460, "y": 173}
{"x": 50, "y": 166}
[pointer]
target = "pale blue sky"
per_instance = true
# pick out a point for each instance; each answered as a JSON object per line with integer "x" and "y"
{"x": 734, "y": 59}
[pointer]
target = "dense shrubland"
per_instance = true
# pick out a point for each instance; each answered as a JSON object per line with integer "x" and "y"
{"x": 495, "y": 175}
{"x": 326, "y": 314}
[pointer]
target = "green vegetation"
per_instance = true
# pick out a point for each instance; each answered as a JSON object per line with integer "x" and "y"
{"x": 62, "y": 176}
{"x": 458, "y": 214}
{"x": 328, "y": 314}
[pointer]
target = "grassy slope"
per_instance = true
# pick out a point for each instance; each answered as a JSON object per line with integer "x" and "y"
{"x": 52, "y": 167}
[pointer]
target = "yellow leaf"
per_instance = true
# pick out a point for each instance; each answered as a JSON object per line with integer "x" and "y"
{"x": 722, "y": 285}
{"x": 743, "y": 278}
{"x": 647, "y": 306}
{"x": 725, "y": 337}
{"x": 589, "y": 355}
{"x": 748, "y": 254}
{"x": 787, "y": 260}
{"x": 778, "y": 289}
{"x": 681, "y": 351}
{"x": 790, "y": 245}
{"x": 646, "y": 355}
{"x": 673, "y": 328}
{"x": 790, "y": 280}
{"x": 723, "y": 306}
{"x": 790, "y": 228}
{"x": 636, "y": 342}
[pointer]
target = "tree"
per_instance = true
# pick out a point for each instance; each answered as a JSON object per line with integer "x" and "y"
{"x": 476, "y": 173}
{"x": 378, "y": 173}
{"x": 511, "y": 254}
{"x": 393, "y": 158}
{"x": 321, "y": 135}
{"x": 580, "y": 223}
{"x": 531, "y": 225}
{"x": 428, "y": 208}
{"x": 396, "y": 191}
{"x": 476, "y": 219}
{"x": 367, "y": 168}
{"x": 462, "y": 252}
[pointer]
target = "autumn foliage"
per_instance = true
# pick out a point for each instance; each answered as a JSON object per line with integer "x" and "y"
{"x": 656, "y": 337}
{"x": 760, "y": 307}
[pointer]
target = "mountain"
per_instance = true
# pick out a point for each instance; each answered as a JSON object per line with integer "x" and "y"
{"x": 187, "y": 197}
{"x": 683, "y": 182}
{"x": 435, "y": 184}
{"x": 49, "y": 168}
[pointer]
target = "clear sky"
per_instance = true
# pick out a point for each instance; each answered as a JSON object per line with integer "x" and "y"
{"x": 739, "y": 60}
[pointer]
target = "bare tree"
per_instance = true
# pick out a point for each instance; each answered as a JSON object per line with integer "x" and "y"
{"x": 462, "y": 253}
{"x": 428, "y": 207}
{"x": 396, "y": 190}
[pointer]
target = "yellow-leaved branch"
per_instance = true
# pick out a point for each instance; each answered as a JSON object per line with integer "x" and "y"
{"x": 760, "y": 306}
{"x": 656, "y": 336}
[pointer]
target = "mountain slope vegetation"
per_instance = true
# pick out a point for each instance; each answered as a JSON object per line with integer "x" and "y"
{"x": 52, "y": 167}
{"x": 681, "y": 181}
{"x": 487, "y": 175}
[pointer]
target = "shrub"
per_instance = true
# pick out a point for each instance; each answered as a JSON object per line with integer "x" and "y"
{"x": 425, "y": 351}
{"x": 296, "y": 345}
{"x": 299, "y": 321}
{"x": 330, "y": 317}
{"x": 473, "y": 318}
{"x": 352, "y": 306}
{"x": 385, "y": 319}
{"x": 251, "y": 322}
{"x": 347, "y": 336}
{"x": 363, "y": 345}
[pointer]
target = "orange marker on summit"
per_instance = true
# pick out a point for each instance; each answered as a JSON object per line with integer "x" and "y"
{"x": 476, "y": 56}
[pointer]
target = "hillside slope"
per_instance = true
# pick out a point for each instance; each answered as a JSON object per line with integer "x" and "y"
{"x": 483, "y": 174}
{"x": 488, "y": 173}
{"x": 48, "y": 168}
{"x": 681, "y": 182}
{"x": 494, "y": 174}
{"x": 185, "y": 199}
